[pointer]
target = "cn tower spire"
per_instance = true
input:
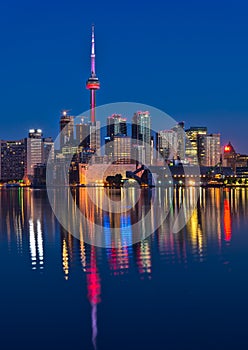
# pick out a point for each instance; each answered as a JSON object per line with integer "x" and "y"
{"x": 93, "y": 83}
{"x": 93, "y": 55}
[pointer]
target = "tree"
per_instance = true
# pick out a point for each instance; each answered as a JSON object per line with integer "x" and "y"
{"x": 114, "y": 181}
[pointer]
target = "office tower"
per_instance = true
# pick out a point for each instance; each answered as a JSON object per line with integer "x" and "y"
{"x": 191, "y": 144}
{"x": 179, "y": 129}
{"x": 95, "y": 137}
{"x": 141, "y": 136}
{"x": 34, "y": 150}
{"x": 93, "y": 84}
{"x": 48, "y": 149}
{"x": 230, "y": 156}
{"x": 116, "y": 125}
{"x": 83, "y": 133}
{"x": 122, "y": 149}
{"x": 66, "y": 129}
{"x": 209, "y": 149}
{"x": 167, "y": 144}
{"x": 13, "y": 160}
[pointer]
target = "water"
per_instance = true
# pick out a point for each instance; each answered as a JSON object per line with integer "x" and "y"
{"x": 170, "y": 291}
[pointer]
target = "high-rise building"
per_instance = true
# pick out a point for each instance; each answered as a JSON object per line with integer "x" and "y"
{"x": 191, "y": 144}
{"x": 179, "y": 129}
{"x": 122, "y": 149}
{"x": 83, "y": 133}
{"x": 48, "y": 149}
{"x": 167, "y": 144}
{"x": 95, "y": 136}
{"x": 13, "y": 160}
{"x": 209, "y": 149}
{"x": 66, "y": 129}
{"x": 141, "y": 135}
{"x": 34, "y": 150}
{"x": 116, "y": 125}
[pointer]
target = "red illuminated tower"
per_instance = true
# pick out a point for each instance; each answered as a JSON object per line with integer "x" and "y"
{"x": 93, "y": 83}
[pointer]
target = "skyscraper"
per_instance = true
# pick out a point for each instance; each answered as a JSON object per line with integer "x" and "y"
{"x": 209, "y": 149}
{"x": 34, "y": 150}
{"x": 116, "y": 125}
{"x": 13, "y": 160}
{"x": 167, "y": 144}
{"x": 191, "y": 144}
{"x": 83, "y": 133}
{"x": 66, "y": 129}
{"x": 48, "y": 149}
{"x": 179, "y": 129}
{"x": 141, "y": 136}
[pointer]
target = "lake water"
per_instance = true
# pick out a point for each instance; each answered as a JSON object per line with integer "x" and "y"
{"x": 185, "y": 290}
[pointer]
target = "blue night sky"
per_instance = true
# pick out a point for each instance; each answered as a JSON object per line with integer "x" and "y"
{"x": 188, "y": 58}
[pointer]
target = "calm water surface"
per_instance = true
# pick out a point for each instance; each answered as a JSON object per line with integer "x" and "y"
{"x": 171, "y": 291}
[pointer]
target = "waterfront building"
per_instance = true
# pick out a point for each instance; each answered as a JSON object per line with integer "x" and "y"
{"x": 209, "y": 150}
{"x": 13, "y": 160}
{"x": 192, "y": 145}
{"x": 34, "y": 150}
{"x": 141, "y": 134}
{"x": 242, "y": 160}
{"x": 229, "y": 156}
{"x": 39, "y": 178}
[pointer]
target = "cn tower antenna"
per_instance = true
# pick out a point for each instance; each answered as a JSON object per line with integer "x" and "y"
{"x": 93, "y": 83}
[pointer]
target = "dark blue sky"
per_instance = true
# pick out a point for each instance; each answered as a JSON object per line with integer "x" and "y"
{"x": 188, "y": 58}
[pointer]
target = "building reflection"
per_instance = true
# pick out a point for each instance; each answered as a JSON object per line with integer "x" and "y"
{"x": 29, "y": 224}
{"x": 227, "y": 220}
{"x": 26, "y": 215}
{"x": 94, "y": 291}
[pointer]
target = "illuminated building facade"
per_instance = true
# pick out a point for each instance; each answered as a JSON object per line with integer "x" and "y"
{"x": 209, "y": 150}
{"x": 167, "y": 143}
{"x": 141, "y": 135}
{"x": 95, "y": 136}
{"x": 66, "y": 129}
{"x": 229, "y": 156}
{"x": 48, "y": 149}
{"x": 83, "y": 134}
{"x": 13, "y": 160}
{"x": 122, "y": 149}
{"x": 116, "y": 125}
{"x": 179, "y": 129}
{"x": 34, "y": 150}
{"x": 191, "y": 144}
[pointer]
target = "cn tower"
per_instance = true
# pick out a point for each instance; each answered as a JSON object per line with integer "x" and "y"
{"x": 93, "y": 83}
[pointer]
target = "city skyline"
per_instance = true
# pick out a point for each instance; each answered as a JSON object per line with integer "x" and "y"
{"x": 195, "y": 83}
{"x": 81, "y": 139}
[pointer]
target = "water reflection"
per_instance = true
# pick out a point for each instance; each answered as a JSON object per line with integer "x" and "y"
{"x": 28, "y": 227}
